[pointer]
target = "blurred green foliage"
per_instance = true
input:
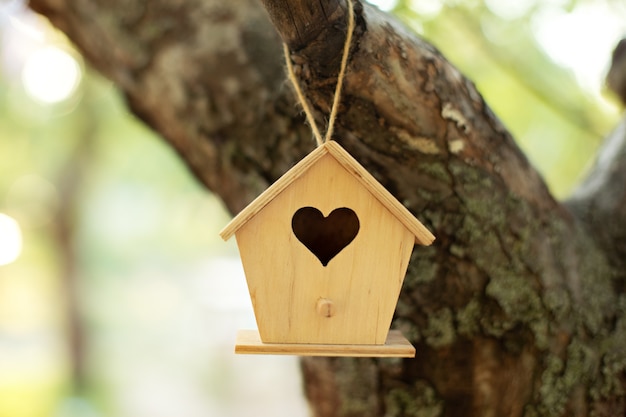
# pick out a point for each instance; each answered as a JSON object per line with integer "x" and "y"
{"x": 102, "y": 200}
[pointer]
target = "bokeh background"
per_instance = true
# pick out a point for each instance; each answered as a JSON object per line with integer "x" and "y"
{"x": 117, "y": 297}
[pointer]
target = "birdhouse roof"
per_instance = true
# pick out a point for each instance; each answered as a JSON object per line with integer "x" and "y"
{"x": 332, "y": 148}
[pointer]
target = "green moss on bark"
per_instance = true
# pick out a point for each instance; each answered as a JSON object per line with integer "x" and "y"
{"x": 417, "y": 400}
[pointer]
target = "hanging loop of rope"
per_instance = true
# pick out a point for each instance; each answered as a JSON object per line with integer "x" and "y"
{"x": 337, "y": 98}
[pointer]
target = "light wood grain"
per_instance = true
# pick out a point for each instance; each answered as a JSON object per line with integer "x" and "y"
{"x": 273, "y": 190}
{"x": 396, "y": 345}
{"x": 363, "y": 281}
{"x": 286, "y": 280}
{"x": 422, "y": 234}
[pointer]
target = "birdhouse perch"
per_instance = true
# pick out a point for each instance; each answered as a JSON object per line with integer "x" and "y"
{"x": 325, "y": 250}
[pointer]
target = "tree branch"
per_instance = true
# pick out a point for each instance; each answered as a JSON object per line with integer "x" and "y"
{"x": 601, "y": 198}
{"x": 513, "y": 310}
{"x": 301, "y": 22}
{"x": 316, "y": 30}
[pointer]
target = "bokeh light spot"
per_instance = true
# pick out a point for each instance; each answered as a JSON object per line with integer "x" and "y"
{"x": 384, "y": 4}
{"x": 51, "y": 75}
{"x": 10, "y": 240}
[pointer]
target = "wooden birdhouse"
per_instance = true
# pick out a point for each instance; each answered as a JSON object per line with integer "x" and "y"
{"x": 325, "y": 250}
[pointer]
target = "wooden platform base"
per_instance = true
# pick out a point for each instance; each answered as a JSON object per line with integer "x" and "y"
{"x": 249, "y": 342}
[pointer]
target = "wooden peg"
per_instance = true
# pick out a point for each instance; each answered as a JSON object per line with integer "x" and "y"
{"x": 325, "y": 307}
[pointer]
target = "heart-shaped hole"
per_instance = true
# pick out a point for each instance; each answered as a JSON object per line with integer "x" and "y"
{"x": 325, "y": 237}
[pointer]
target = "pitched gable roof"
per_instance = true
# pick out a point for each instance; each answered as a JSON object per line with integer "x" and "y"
{"x": 422, "y": 235}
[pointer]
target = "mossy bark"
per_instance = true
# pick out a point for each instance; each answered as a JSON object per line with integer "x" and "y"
{"x": 517, "y": 309}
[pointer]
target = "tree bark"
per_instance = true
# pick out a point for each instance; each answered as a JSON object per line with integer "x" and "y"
{"x": 517, "y": 309}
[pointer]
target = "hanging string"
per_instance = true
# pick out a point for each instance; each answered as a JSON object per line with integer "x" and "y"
{"x": 342, "y": 71}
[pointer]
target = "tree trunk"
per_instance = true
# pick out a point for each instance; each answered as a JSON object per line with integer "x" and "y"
{"x": 517, "y": 309}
